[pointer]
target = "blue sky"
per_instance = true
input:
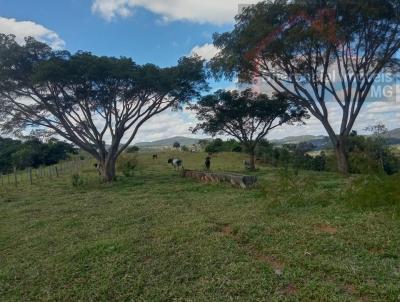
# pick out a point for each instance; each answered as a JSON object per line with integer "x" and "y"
{"x": 156, "y": 31}
{"x": 144, "y": 36}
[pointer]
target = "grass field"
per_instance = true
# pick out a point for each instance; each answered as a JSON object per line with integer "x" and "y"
{"x": 160, "y": 237}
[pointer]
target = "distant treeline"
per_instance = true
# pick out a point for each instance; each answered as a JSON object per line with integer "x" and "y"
{"x": 32, "y": 153}
{"x": 367, "y": 154}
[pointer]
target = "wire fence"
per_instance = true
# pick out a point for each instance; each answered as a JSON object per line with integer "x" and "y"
{"x": 31, "y": 176}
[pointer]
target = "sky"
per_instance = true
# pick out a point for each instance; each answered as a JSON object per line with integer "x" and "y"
{"x": 159, "y": 32}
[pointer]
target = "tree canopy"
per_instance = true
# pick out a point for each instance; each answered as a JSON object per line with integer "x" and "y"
{"x": 88, "y": 99}
{"x": 315, "y": 52}
{"x": 244, "y": 115}
{"x": 32, "y": 153}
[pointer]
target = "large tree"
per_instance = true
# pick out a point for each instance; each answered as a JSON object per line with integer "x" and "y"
{"x": 244, "y": 115}
{"x": 315, "y": 52}
{"x": 86, "y": 99}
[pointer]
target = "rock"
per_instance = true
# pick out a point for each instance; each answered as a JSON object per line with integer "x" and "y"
{"x": 240, "y": 180}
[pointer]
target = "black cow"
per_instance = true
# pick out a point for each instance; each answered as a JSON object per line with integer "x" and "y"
{"x": 207, "y": 162}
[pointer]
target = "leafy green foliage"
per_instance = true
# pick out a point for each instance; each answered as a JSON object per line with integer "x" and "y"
{"x": 132, "y": 149}
{"x": 367, "y": 155}
{"x": 76, "y": 180}
{"x": 127, "y": 165}
{"x": 371, "y": 155}
{"x": 292, "y": 188}
{"x": 292, "y": 155}
{"x": 245, "y": 115}
{"x": 32, "y": 153}
{"x": 218, "y": 145}
{"x": 368, "y": 192}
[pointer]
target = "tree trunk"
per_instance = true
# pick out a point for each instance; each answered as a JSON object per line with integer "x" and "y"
{"x": 108, "y": 170}
{"x": 341, "y": 155}
{"x": 252, "y": 160}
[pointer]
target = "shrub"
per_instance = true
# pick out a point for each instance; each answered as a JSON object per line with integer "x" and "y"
{"x": 132, "y": 149}
{"x": 367, "y": 155}
{"x": 291, "y": 182}
{"x": 76, "y": 179}
{"x": 370, "y": 155}
{"x": 218, "y": 145}
{"x": 372, "y": 191}
{"x": 237, "y": 149}
{"x": 292, "y": 189}
{"x": 127, "y": 165}
{"x": 32, "y": 153}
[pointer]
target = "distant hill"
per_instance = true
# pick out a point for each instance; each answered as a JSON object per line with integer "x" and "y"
{"x": 168, "y": 142}
{"x": 395, "y": 134}
{"x": 322, "y": 142}
{"x": 297, "y": 139}
{"x": 319, "y": 141}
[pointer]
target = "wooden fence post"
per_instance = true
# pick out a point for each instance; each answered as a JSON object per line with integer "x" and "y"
{"x": 30, "y": 176}
{"x": 15, "y": 176}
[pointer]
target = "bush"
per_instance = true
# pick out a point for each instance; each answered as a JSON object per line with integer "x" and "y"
{"x": 291, "y": 182}
{"x": 292, "y": 189}
{"x": 371, "y": 155}
{"x": 32, "y": 153}
{"x": 237, "y": 149}
{"x": 367, "y": 155}
{"x": 218, "y": 145}
{"x": 374, "y": 191}
{"x": 132, "y": 149}
{"x": 76, "y": 180}
{"x": 127, "y": 165}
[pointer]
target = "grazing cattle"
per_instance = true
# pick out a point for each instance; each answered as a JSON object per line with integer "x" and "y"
{"x": 155, "y": 156}
{"x": 175, "y": 162}
{"x": 207, "y": 163}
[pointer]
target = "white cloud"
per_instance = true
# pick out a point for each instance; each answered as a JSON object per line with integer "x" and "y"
{"x": 164, "y": 125}
{"x": 212, "y": 11}
{"x": 206, "y": 51}
{"x": 383, "y": 107}
{"x": 167, "y": 124}
{"x": 22, "y": 29}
